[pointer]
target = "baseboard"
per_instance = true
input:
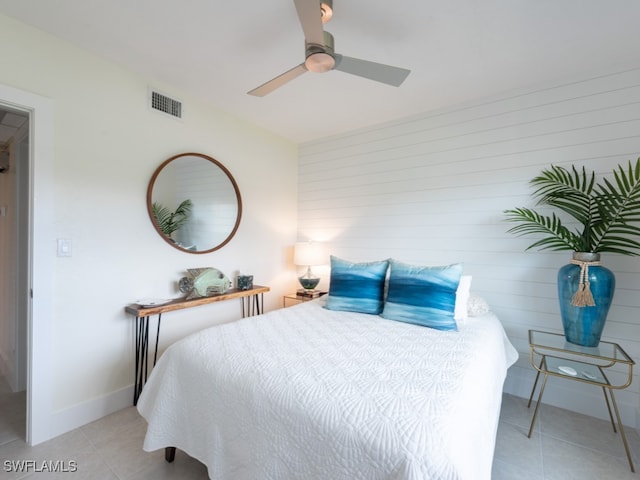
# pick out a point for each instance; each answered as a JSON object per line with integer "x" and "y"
{"x": 64, "y": 421}
{"x": 570, "y": 395}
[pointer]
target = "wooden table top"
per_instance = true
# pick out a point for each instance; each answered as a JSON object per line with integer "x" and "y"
{"x": 181, "y": 303}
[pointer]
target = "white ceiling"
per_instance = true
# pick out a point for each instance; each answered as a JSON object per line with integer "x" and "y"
{"x": 457, "y": 51}
{"x": 10, "y": 123}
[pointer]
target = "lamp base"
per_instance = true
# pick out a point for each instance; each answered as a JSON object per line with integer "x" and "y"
{"x": 308, "y": 283}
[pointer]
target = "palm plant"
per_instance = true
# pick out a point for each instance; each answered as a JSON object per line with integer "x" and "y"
{"x": 169, "y": 221}
{"x": 608, "y": 212}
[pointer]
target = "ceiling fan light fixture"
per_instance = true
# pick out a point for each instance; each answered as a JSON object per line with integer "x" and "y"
{"x": 320, "y": 62}
{"x": 320, "y": 58}
{"x": 326, "y": 10}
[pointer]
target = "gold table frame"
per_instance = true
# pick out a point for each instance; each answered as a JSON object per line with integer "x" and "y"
{"x": 548, "y": 351}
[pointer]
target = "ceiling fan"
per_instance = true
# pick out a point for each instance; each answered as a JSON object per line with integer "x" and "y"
{"x": 320, "y": 55}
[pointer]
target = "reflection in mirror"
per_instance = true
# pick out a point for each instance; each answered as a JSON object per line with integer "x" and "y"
{"x": 194, "y": 203}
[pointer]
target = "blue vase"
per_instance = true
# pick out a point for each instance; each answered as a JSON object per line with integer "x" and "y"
{"x": 583, "y": 323}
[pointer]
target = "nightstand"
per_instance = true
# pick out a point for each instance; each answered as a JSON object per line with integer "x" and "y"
{"x": 551, "y": 354}
{"x": 295, "y": 298}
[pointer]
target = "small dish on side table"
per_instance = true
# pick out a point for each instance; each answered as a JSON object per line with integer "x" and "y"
{"x": 152, "y": 302}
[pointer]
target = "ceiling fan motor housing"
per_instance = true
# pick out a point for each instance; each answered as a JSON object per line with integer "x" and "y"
{"x": 320, "y": 58}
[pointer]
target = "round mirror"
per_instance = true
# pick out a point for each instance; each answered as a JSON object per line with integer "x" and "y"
{"x": 194, "y": 203}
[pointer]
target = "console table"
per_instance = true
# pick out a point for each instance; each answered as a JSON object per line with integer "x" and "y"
{"x": 252, "y": 304}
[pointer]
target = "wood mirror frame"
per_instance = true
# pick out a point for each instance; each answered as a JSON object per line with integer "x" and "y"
{"x": 213, "y": 192}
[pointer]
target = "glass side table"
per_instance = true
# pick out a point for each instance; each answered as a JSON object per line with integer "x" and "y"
{"x": 551, "y": 354}
{"x": 297, "y": 298}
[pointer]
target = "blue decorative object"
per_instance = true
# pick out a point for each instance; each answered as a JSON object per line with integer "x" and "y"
{"x": 585, "y": 291}
{"x": 357, "y": 287}
{"x": 309, "y": 283}
{"x": 309, "y": 254}
{"x": 245, "y": 282}
{"x": 423, "y": 295}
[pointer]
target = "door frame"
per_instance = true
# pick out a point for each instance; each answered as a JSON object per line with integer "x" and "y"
{"x": 41, "y": 248}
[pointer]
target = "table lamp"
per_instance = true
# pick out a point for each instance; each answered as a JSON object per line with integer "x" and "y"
{"x": 309, "y": 254}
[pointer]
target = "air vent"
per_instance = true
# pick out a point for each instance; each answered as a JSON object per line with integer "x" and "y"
{"x": 165, "y": 104}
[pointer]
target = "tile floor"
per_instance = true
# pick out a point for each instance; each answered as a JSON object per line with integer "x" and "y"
{"x": 564, "y": 446}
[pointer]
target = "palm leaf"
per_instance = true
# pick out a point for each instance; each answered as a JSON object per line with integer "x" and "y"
{"x": 609, "y": 212}
{"x": 569, "y": 191}
{"x": 558, "y": 237}
{"x": 183, "y": 210}
{"x": 162, "y": 216}
{"x": 619, "y": 207}
{"x": 169, "y": 221}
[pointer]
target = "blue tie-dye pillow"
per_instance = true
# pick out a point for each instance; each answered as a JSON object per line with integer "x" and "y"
{"x": 357, "y": 287}
{"x": 423, "y": 295}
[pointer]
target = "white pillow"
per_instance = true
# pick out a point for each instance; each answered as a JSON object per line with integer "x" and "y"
{"x": 462, "y": 298}
{"x": 476, "y": 305}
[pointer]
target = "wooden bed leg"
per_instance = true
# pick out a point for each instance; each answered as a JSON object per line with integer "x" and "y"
{"x": 170, "y": 454}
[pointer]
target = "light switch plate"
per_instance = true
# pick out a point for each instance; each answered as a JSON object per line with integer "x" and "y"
{"x": 64, "y": 247}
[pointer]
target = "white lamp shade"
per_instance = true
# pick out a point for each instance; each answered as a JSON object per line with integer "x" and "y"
{"x": 309, "y": 254}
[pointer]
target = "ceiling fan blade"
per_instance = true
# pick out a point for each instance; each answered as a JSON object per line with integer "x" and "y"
{"x": 279, "y": 81}
{"x": 310, "y": 17}
{"x": 371, "y": 70}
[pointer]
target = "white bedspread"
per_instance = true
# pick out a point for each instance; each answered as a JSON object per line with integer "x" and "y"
{"x": 309, "y": 393}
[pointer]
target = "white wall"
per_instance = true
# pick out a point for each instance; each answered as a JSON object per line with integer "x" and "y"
{"x": 431, "y": 190}
{"x": 107, "y": 143}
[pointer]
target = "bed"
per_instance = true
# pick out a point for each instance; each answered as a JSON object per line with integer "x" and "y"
{"x": 311, "y": 393}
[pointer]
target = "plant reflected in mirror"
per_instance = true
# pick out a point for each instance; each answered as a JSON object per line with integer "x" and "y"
{"x": 169, "y": 221}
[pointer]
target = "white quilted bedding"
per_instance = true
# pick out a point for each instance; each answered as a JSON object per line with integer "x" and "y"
{"x": 309, "y": 393}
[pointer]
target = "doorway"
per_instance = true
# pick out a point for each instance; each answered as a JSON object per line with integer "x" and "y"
{"x": 14, "y": 268}
{"x": 35, "y": 251}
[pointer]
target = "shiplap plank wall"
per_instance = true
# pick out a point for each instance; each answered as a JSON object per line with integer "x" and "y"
{"x": 431, "y": 190}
